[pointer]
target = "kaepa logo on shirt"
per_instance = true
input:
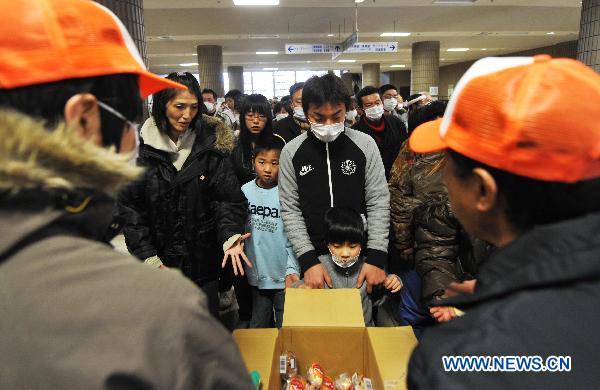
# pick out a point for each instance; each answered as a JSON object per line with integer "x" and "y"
{"x": 263, "y": 211}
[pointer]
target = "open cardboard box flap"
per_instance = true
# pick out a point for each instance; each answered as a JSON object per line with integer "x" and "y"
{"x": 327, "y": 326}
{"x": 323, "y": 307}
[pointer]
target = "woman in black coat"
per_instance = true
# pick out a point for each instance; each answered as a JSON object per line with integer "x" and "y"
{"x": 187, "y": 210}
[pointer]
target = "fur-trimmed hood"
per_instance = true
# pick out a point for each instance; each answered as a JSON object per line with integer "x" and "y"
{"x": 222, "y": 136}
{"x": 32, "y": 156}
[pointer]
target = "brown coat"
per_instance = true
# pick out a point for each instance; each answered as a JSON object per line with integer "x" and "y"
{"x": 425, "y": 229}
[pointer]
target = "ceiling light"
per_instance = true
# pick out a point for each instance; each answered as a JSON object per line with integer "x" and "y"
{"x": 270, "y": 68}
{"x": 189, "y": 64}
{"x": 359, "y": 1}
{"x": 459, "y": 2}
{"x": 263, "y": 36}
{"x": 395, "y": 34}
{"x": 550, "y": 33}
{"x": 458, "y": 49}
{"x": 347, "y": 61}
{"x": 484, "y": 49}
{"x": 267, "y": 52}
{"x": 398, "y": 66}
{"x": 256, "y": 2}
{"x": 331, "y": 35}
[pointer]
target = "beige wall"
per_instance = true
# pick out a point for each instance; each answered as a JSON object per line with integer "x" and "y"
{"x": 450, "y": 74}
{"x": 399, "y": 78}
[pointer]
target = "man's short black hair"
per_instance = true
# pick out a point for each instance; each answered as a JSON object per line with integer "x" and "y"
{"x": 386, "y": 87}
{"x": 344, "y": 224}
{"x": 237, "y": 97}
{"x": 424, "y": 114}
{"x": 320, "y": 90}
{"x": 531, "y": 202}
{"x": 208, "y": 90}
{"x": 277, "y": 107}
{"x": 270, "y": 142}
{"x": 366, "y": 91}
{"x": 161, "y": 98}
{"x": 287, "y": 103}
{"x": 47, "y": 101}
{"x": 295, "y": 88}
{"x": 233, "y": 93}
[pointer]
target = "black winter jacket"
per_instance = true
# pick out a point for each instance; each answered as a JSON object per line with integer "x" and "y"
{"x": 537, "y": 296}
{"x": 242, "y": 164}
{"x": 394, "y": 135}
{"x": 185, "y": 217}
{"x": 287, "y": 128}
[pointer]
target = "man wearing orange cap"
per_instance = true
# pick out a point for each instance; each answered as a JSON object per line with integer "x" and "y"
{"x": 523, "y": 173}
{"x": 74, "y": 313}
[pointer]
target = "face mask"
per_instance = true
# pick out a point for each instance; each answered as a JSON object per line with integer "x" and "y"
{"x": 374, "y": 113}
{"x": 344, "y": 264}
{"x": 209, "y": 107}
{"x": 389, "y": 104}
{"x": 299, "y": 113}
{"x": 279, "y": 117}
{"x": 350, "y": 115}
{"x": 327, "y": 133}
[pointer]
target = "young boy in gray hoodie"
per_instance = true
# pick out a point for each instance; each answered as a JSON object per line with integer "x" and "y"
{"x": 345, "y": 235}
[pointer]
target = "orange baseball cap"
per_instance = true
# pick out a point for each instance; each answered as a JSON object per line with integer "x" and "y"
{"x": 536, "y": 117}
{"x": 43, "y": 41}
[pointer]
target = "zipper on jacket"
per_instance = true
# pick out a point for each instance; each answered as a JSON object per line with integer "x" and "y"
{"x": 329, "y": 174}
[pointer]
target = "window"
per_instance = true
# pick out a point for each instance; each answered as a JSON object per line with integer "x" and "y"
{"x": 272, "y": 84}
{"x": 283, "y": 81}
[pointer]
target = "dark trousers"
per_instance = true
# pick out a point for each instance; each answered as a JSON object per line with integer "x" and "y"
{"x": 211, "y": 290}
{"x": 243, "y": 294}
{"x": 264, "y": 304}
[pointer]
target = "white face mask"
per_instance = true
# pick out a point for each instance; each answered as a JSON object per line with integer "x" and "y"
{"x": 299, "y": 113}
{"x": 279, "y": 117}
{"x": 350, "y": 115}
{"x": 344, "y": 264}
{"x": 210, "y": 107}
{"x": 327, "y": 133}
{"x": 390, "y": 103}
{"x": 374, "y": 113}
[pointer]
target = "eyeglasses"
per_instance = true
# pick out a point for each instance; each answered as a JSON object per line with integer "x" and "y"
{"x": 117, "y": 114}
{"x": 253, "y": 115}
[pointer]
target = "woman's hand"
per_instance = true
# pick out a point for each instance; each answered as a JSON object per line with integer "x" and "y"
{"x": 236, "y": 252}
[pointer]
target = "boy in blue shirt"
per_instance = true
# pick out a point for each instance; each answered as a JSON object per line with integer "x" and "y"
{"x": 268, "y": 247}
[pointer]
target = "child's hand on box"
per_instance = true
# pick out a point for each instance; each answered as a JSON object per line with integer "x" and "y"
{"x": 291, "y": 279}
{"x": 393, "y": 283}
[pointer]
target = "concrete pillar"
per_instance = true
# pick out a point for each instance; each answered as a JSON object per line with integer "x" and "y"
{"x": 210, "y": 67}
{"x": 236, "y": 77}
{"x": 425, "y": 71}
{"x": 347, "y": 79}
{"x": 370, "y": 75}
{"x": 588, "y": 47}
{"x": 131, "y": 13}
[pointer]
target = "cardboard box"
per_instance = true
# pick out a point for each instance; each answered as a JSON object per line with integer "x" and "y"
{"x": 327, "y": 326}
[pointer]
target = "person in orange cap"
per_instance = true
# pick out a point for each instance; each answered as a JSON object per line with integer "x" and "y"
{"x": 523, "y": 173}
{"x": 75, "y": 313}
